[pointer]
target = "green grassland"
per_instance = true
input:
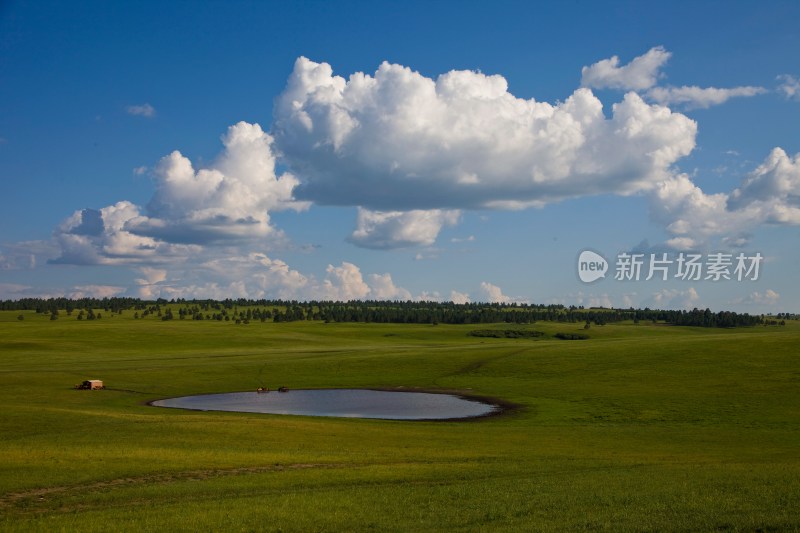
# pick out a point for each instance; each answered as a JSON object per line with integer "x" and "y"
{"x": 642, "y": 427}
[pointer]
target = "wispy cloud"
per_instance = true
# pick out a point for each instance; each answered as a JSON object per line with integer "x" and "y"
{"x": 26, "y": 255}
{"x": 643, "y": 73}
{"x": 694, "y": 97}
{"x": 96, "y": 291}
{"x": 674, "y": 299}
{"x": 143, "y": 110}
{"x": 766, "y": 298}
{"x": 789, "y": 86}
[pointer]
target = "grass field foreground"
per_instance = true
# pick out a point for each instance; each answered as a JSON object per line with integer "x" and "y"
{"x": 640, "y": 427}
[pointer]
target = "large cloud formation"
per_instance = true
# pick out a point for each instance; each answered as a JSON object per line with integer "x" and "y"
{"x": 768, "y": 195}
{"x": 412, "y": 153}
{"x": 100, "y": 237}
{"x": 228, "y": 202}
{"x": 231, "y": 199}
{"x": 399, "y": 141}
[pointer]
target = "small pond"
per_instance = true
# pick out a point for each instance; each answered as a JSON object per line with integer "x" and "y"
{"x": 348, "y": 403}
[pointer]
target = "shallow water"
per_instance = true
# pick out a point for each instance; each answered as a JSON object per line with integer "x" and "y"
{"x": 348, "y": 403}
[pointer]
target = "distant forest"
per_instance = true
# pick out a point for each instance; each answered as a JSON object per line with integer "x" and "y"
{"x": 397, "y": 312}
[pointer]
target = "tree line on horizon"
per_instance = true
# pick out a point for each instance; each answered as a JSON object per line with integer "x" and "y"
{"x": 380, "y": 311}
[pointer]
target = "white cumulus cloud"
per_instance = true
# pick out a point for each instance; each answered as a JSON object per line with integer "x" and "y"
{"x": 494, "y": 294}
{"x": 230, "y": 199}
{"x": 344, "y": 283}
{"x": 383, "y": 288}
{"x": 397, "y": 229}
{"x": 255, "y": 275}
{"x": 227, "y": 202}
{"x": 148, "y": 285}
{"x": 768, "y": 195}
{"x": 641, "y": 73}
{"x": 92, "y": 236}
{"x": 773, "y": 188}
{"x": 399, "y": 141}
{"x": 412, "y": 153}
{"x": 459, "y": 297}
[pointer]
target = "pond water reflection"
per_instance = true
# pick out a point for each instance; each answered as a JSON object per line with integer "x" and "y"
{"x": 348, "y": 403}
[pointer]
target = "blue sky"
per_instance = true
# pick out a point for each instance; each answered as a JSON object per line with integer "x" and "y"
{"x": 465, "y": 151}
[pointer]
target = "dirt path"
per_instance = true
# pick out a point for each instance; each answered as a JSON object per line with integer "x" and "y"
{"x": 477, "y": 365}
{"x": 26, "y": 498}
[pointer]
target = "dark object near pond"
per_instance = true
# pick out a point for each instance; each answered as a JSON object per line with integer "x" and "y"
{"x": 91, "y": 384}
{"x": 348, "y": 403}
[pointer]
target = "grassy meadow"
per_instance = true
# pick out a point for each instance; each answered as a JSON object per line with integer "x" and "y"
{"x": 639, "y": 428}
